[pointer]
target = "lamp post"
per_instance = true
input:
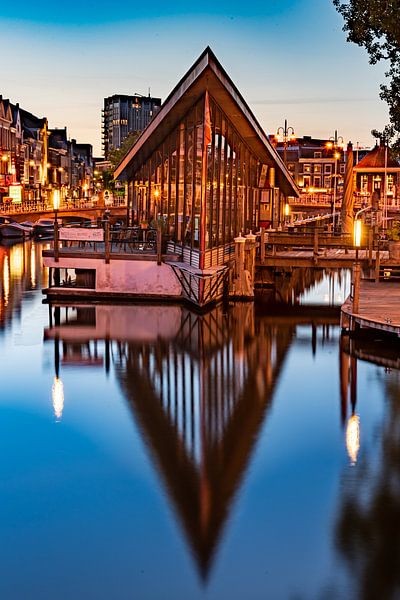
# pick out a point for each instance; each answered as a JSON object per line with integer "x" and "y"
{"x": 287, "y": 134}
{"x": 56, "y": 206}
{"x": 356, "y": 267}
{"x": 334, "y": 144}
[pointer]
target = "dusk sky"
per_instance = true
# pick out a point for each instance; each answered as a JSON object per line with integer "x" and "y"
{"x": 289, "y": 59}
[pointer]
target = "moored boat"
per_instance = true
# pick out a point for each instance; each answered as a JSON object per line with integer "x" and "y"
{"x": 43, "y": 228}
{"x": 12, "y": 229}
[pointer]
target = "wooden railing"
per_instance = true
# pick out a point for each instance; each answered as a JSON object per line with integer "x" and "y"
{"x": 316, "y": 240}
{"x": 105, "y": 241}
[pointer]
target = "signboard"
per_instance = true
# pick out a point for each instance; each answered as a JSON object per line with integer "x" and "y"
{"x": 15, "y": 193}
{"x": 81, "y": 234}
{"x": 108, "y": 198}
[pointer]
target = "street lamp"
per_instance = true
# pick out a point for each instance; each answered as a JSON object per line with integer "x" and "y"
{"x": 56, "y": 206}
{"x": 357, "y": 233}
{"x": 287, "y": 134}
{"x": 286, "y": 211}
{"x": 334, "y": 144}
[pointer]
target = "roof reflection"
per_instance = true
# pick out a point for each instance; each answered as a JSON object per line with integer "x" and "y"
{"x": 199, "y": 386}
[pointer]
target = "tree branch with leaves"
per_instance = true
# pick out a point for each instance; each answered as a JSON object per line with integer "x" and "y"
{"x": 375, "y": 25}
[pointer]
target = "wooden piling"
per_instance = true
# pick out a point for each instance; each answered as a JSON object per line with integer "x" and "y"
{"x": 107, "y": 241}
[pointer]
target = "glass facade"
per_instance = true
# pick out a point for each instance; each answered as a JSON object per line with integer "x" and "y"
{"x": 203, "y": 182}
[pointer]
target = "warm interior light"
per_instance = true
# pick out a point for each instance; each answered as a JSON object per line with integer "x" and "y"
{"x": 353, "y": 438}
{"x": 287, "y": 210}
{"x": 357, "y": 233}
{"x": 4, "y": 158}
{"x": 337, "y": 155}
{"x": 156, "y": 193}
{"x": 329, "y": 145}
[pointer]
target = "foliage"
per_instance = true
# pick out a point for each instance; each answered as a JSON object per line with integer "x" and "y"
{"x": 393, "y": 233}
{"x": 108, "y": 180}
{"x": 375, "y": 25}
{"x": 115, "y": 156}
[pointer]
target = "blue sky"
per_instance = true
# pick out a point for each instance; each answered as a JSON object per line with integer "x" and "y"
{"x": 288, "y": 58}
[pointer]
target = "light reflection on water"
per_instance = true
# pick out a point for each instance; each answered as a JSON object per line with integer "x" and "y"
{"x": 152, "y": 452}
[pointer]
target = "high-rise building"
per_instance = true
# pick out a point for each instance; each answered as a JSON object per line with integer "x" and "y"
{"x": 126, "y": 114}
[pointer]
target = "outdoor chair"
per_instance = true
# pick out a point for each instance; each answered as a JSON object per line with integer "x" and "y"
{"x": 151, "y": 239}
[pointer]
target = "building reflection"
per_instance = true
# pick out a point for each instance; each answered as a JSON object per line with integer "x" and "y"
{"x": 368, "y": 522}
{"x": 199, "y": 387}
{"x": 20, "y": 271}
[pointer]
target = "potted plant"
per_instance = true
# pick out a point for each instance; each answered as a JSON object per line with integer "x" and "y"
{"x": 393, "y": 235}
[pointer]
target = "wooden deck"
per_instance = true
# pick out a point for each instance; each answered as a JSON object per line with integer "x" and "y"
{"x": 379, "y": 307}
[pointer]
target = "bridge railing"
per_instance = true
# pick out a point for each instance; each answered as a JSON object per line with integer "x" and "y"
{"x": 40, "y": 206}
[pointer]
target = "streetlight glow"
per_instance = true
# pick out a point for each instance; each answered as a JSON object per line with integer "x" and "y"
{"x": 56, "y": 199}
{"x": 57, "y": 394}
{"x": 357, "y": 232}
{"x": 353, "y": 438}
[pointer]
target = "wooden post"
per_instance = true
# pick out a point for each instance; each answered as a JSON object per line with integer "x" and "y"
{"x": 262, "y": 245}
{"x": 242, "y": 286}
{"x": 370, "y": 244}
{"x": 56, "y": 238}
{"x": 315, "y": 241}
{"x": 159, "y": 244}
{"x": 356, "y": 287}
{"x": 250, "y": 256}
{"x": 107, "y": 241}
{"x": 377, "y": 264}
{"x": 56, "y": 277}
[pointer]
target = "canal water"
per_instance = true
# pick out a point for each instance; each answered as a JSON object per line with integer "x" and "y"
{"x": 150, "y": 452}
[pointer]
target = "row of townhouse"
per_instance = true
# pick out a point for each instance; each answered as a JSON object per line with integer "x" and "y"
{"x": 35, "y": 160}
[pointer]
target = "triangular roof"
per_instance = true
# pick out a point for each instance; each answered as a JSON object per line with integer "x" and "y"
{"x": 376, "y": 160}
{"x": 202, "y": 490}
{"x": 206, "y": 74}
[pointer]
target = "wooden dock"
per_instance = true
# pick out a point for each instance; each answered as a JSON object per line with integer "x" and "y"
{"x": 379, "y": 308}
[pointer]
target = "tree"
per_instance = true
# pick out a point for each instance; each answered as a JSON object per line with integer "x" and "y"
{"x": 116, "y": 155}
{"x": 375, "y": 25}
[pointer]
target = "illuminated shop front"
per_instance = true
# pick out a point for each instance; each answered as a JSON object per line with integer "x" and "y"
{"x": 204, "y": 169}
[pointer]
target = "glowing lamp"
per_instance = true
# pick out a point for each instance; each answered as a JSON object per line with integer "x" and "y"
{"x": 287, "y": 210}
{"x": 156, "y": 194}
{"x": 337, "y": 155}
{"x": 4, "y": 158}
{"x": 56, "y": 199}
{"x": 357, "y": 233}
